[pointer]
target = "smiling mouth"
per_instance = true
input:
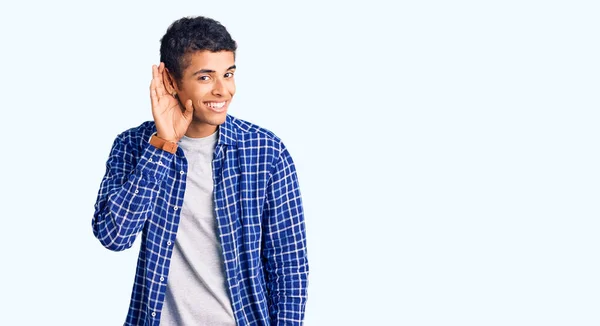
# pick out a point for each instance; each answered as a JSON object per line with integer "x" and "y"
{"x": 216, "y": 106}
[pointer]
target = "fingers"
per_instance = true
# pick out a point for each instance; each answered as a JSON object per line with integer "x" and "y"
{"x": 153, "y": 94}
{"x": 157, "y": 87}
{"x": 164, "y": 78}
{"x": 157, "y": 80}
{"x": 154, "y": 71}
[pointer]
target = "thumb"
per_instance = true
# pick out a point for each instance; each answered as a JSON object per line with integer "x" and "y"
{"x": 189, "y": 109}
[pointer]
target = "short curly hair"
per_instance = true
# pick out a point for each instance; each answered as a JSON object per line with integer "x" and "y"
{"x": 191, "y": 34}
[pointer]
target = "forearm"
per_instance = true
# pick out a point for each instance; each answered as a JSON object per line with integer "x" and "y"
{"x": 121, "y": 214}
{"x": 127, "y": 195}
{"x": 286, "y": 263}
{"x": 287, "y": 287}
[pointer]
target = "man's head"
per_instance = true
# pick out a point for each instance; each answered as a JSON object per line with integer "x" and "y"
{"x": 199, "y": 57}
{"x": 192, "y": 34}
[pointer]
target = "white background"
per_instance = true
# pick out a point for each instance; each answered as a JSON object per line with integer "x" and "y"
{"x": 447, "y": 152}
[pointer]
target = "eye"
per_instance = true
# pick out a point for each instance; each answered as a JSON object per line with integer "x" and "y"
{"x": 204, "y": 78}
{"x": 228, "y": 74}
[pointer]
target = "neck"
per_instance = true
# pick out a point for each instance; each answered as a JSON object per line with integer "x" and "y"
{"x": 200, "y": 130}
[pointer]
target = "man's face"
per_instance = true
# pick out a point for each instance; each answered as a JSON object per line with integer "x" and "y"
{"x": 208, "y": 81}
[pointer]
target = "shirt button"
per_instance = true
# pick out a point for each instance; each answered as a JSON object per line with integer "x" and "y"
{"x": 150, "y": 160}
{"x": 153, "y": 314}
{"x": 168, "y": 243}
{"x": 181, "y": 172}
{"x": 136, "y": 191}
{"x": 162, "y": 278}
{"x": 175, "y": 208}
{"x": 160, "y": 163}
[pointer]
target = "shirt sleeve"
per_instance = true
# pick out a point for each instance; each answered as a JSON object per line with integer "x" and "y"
{"x": 127, "y": 193}
{"x": 284, "y": 252}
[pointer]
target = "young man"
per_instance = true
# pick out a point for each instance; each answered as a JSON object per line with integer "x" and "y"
{"x": 216, "y": 198}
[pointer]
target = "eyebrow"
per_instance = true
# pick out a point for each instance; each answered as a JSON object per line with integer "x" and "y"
{"x": 208, "y": 71}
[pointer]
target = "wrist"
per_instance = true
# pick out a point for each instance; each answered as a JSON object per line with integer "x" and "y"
{"x": 166, "y": 138}
{"x": 164, "y": 144}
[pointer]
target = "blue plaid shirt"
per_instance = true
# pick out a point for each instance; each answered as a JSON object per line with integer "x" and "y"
{"x": 258, "y": 210}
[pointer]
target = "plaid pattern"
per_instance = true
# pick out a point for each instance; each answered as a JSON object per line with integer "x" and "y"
{"x": 259, "y": 215}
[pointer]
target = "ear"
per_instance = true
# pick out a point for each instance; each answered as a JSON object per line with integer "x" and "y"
{"x": 169, "y": 82}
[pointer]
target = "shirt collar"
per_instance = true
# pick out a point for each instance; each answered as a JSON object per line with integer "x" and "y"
{"x": 227, "y": 132}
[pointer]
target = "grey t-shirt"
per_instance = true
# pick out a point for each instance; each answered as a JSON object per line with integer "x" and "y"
{"x": 197, "y": 292}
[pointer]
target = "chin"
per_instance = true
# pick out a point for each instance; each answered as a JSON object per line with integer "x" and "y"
{"x": 211, "y": 118}
{"x": 218, "y": 120}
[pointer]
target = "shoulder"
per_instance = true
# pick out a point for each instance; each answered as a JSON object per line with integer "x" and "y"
{"x": 256, "y": 142}
{"x": 136, "y": 136}
{"x": 249, "y": 133}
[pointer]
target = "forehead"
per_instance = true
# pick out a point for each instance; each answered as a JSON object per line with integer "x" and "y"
{"x": 216, "y": 61}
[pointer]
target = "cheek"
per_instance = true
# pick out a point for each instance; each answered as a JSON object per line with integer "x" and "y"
{"x": 199, "y": 96}
{"x": 197, "y": 102}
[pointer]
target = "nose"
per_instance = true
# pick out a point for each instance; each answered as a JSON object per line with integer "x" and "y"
{"x": 218, "y": 88}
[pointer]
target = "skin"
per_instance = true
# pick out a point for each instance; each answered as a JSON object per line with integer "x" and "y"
{"x": 208, "y": 78}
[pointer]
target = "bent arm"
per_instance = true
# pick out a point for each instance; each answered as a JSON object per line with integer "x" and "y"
{"x": 284, "y": 251}
{"x": 127, "y": 193}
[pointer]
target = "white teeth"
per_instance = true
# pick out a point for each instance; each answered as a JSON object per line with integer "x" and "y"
{"x": 215, "y": 105}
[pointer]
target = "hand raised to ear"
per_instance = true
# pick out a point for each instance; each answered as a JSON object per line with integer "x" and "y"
{"x": 172, "y": 118}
